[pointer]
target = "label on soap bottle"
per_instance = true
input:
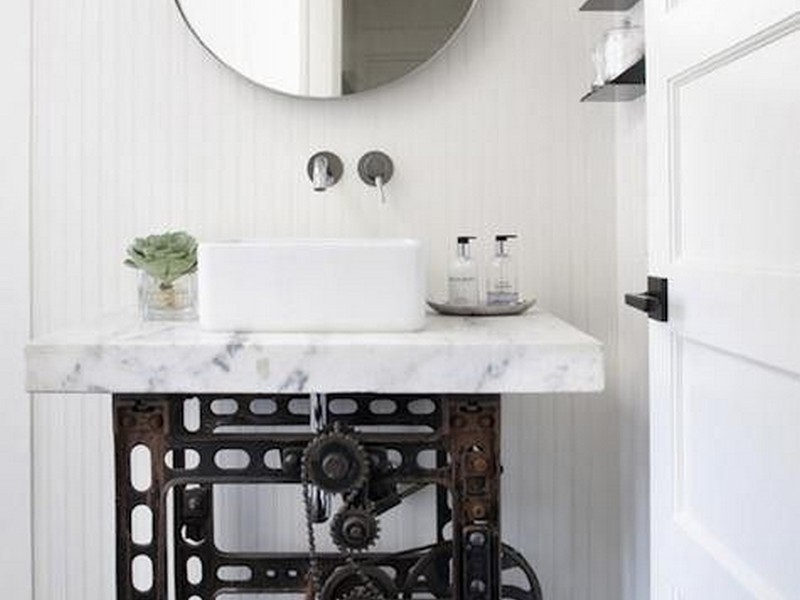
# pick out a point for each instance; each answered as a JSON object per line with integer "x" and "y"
{"x": 501, "y": 298}
{"x": 463, "y": 290}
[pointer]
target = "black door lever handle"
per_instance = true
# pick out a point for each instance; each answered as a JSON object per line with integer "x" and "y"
{"x": 653, "y": 301}
{"x": 643, "y": 302}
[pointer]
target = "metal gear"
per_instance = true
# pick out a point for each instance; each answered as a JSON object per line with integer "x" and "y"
{"x": 336, "y": 462}
{"x": 431, "y": 575}
{"x": 361, "y": 592}
{"x": 360, "y": 582}
{"x": 354, "y": 528}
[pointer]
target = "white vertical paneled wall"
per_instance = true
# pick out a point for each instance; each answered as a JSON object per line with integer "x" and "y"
{"x": 632, "y": 390}
{"x": 15, "y": 405}
{"x": 632, "y": 366}
{"x": 136, "y": 130}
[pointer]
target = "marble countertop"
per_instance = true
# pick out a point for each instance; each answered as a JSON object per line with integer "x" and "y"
{"x": 532, "y": 353}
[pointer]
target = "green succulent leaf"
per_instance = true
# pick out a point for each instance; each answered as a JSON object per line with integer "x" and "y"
{"x": 165, "y": 257}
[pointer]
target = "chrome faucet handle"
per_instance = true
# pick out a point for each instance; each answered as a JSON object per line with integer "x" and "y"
{"x": 324, "y": 170}
{"x": 376, "y": 169}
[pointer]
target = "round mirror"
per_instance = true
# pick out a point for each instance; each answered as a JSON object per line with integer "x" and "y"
{"x": 324, "y": 48}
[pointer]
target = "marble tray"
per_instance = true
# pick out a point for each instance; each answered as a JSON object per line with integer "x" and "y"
{"x": 482, "y": 310}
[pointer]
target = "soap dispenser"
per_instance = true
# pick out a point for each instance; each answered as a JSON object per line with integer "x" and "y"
{"x": 501, "y": 287}
{"x": 462, "y": 276}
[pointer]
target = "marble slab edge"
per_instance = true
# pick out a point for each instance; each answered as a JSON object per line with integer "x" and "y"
{"x": 505, "y": 369}
{"x": 536, "y": 353}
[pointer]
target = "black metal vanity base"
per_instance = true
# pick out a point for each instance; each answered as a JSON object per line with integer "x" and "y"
{"x": 409, "y": 442}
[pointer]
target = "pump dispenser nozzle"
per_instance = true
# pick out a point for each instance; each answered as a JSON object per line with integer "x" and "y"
{"x": 463, "y": 249}
{"x": 500, "y": 243}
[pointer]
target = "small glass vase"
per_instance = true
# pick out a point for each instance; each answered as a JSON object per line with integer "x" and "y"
{"x": 176, "y": 301}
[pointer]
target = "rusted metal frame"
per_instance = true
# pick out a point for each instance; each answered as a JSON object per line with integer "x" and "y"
{"x": 468, "y": 423}
{"x": 277, "y": 573}
{"x": 140, "y": 423}
{"x": 472, "y": 425}
{"x": 280, "y": 564}
{"x": 282, "y": 415}
{"x": 511, "y": 561}
{"x": 272, "y": 572}
{"x": 440, "y": 570}
{"x": 256, "y": 447}
{"x": 200, "y": 525}
{"x": 190, "y": 511}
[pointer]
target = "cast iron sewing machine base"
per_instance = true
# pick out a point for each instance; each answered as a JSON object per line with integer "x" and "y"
{"x": 183, "y": 437}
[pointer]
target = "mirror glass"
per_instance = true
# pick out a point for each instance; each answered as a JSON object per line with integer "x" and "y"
{"x": 324, "y": 48}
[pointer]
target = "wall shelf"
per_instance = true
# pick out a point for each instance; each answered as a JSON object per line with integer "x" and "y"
{"x": 608, "y": 5}
{"x": 624, "y": 88}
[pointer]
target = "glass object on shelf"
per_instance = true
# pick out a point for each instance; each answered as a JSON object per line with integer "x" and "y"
{"x": 175, "y": 301}
{"x": 599, "y": 62}
{"x": 620, "y": 49}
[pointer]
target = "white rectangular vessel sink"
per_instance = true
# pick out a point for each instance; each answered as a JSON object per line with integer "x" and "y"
{"x": 312, "y": 285}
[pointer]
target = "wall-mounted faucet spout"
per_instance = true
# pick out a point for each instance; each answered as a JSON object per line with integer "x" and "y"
{"x": 376, "y": 169}
{"x": 324, "y": 170}
{"x": 379, "y": 185}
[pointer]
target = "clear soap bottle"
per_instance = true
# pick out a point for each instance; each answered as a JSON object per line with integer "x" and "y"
{"x": 501, "y": 287}
{"x": 462, "y": 275}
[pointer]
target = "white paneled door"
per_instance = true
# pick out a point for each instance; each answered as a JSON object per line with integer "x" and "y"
{"x": 724, "y": 157}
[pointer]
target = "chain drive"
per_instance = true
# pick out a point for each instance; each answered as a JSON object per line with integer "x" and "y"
{"x": 314, "y": 576}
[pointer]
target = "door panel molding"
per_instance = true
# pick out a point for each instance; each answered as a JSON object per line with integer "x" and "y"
{"x": 685, "y": 517}
{"x": 677, "y": 84}
{"x": 727, "y": 559}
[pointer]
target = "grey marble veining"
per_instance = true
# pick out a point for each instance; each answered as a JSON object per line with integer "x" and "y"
{"x": 531, "y": 353}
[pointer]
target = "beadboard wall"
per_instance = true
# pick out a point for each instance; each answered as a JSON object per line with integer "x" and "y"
{"x": 632, "y": 365}
{"x": 15, "y": 438}
{"x": 632, "y": 390}
{"x": 136, "y": 129}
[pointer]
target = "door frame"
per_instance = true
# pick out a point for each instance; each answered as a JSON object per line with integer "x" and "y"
{"x": 16, "y": 554}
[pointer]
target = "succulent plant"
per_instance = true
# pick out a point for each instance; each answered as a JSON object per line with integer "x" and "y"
{"x": 164, "y": 257}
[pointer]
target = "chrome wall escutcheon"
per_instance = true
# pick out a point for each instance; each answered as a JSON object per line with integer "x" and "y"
{"x": 376, "y": 168}
{"x": 324, "y": 169}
